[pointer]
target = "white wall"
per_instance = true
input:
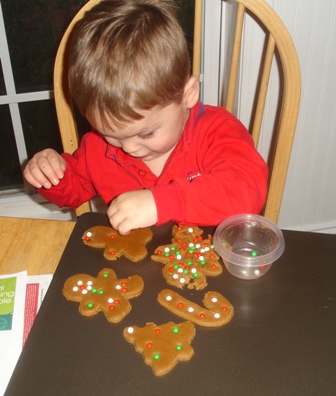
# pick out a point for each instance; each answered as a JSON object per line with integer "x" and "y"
{"x": 309, "y": 201}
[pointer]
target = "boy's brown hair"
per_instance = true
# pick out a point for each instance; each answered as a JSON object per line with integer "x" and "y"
{"x": 128, "y": 55}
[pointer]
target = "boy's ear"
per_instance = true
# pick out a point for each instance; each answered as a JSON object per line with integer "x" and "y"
{"x": 191, "y": 91}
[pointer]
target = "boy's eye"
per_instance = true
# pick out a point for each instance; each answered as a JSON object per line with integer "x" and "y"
{"x": 147, "y": 135}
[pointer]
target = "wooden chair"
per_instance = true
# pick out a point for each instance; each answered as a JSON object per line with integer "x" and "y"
{"x": 278, "y": 39}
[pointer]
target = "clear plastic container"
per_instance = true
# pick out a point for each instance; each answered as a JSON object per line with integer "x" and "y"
{"x": 248, "y": 245}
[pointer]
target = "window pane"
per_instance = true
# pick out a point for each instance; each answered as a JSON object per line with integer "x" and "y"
{"x": 2, "y": 82}
{"x": 40, "y": 126}
{"x": 34, "y": 29}
{"x": 10, "y": 169}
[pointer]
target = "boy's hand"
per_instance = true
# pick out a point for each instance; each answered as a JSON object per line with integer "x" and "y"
{"x": 131, "y": 210}
{"x": 45, "y": 169}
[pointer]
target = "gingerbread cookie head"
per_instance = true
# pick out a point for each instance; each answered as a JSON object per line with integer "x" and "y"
{"x": 132, "y": 246}
{"x": 162, "y": 346}
{"x": 105, "y": 293}
{"x": 189, "y": 259}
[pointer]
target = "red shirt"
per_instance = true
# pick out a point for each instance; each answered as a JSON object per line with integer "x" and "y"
{"x": 214, "y": 172}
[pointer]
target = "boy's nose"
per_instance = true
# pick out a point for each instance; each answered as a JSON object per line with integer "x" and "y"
{"x": 129, "y": 147}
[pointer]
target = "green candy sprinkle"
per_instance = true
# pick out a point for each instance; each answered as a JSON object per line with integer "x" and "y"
{"x": 94, "y": 290}
{"x": 178, "y": 347}
{"x": 185, "y": 271}
{"x": 195, "y": 275}
{"x": 105, "y": 275}
{"x": 254, "y": 254}
{"x": 176, "y": 330}
{"x": 156, "y": 356}
{"x": 202, "y": 262}
{"x": 172, "y": 248}
{"x": 90, "y": 305}
{"x": 175, "y": 266}
{"x": 101, "y": 291}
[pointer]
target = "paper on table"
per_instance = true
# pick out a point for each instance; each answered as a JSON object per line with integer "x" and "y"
{"x": 12, "y": 301}
{"x": 17, "y": 316}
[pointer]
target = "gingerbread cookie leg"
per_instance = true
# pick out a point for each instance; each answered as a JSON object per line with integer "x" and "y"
{"x": 218, "y": 311}
{"x": 162, "y": 346}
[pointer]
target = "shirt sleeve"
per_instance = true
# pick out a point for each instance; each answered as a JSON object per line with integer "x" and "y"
{"x": 76, "y": 186}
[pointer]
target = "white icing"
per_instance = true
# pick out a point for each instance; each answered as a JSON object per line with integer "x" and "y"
{"x": 84, "y": 291}
{"x": 118, "y": 287}
{"x": 166, "y": 249}
{"x": 179, "y": 257}
{"x": 190, "y": 229}
{"x": 198, "y": 246}
{"x": 89, "y": 282}
{"x": 110, "y": 300}
{"x": 201, "y": 258}
{"x": 193, "y": 270}
{"x": 180, "y": 270}
{"x": 175, "y": 276}
{"x": 191, "y": 309}
{"x": 169, "y": 298}
{"x": 89, "y": 234}
{"x": 79, "y": 282}
{"x": 207, "y": 249}
{"x": 75, "y": 288}
{"x": 191, "y": 244}
{"x": 217, "y": 315}
{"x": 182, "y": 280}
{"x": 202, "y": 250}
{"x": 89, "y": 287}
{"x": 130, "y": 330}
{"x": 214, "y": 299}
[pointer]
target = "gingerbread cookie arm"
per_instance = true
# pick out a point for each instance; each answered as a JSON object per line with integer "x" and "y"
{"x": 218, "y": 311}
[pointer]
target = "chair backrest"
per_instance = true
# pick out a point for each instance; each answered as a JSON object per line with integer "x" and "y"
{"x": 64, "y": 106}
{"x": 278, "y": 39}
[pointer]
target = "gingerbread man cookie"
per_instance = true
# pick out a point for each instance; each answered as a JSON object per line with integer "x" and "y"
{"x": 162, "y": 346}
{"x": 105, "y": 293}
{"x": 131, "y": 246}
{"x": 189, "y": 259}
{"x": 218, "y": 311}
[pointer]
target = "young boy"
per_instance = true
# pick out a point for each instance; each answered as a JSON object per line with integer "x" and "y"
{"x": 155, "y": 154}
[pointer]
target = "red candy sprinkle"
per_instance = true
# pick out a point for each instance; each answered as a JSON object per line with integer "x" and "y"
{"x": 170, "y": 269}
{"x": 157, "y": 331}
{"x": 202, "y": 315}
{"x": 213, "y": 266}
{"x": 171, "y": 257}
{"x": 123, "y": 283}
{"x": 180, "y": 305}
{"x": 82, "y": 287}
{"x": 87, "y": 238}
{"x": 212, "y": 255}
{"x": 112, "y": 236}
{"x": 112, "y": 252}
{"x": 116, "y": 301}
{"x": 159, "y": 252}
{"x": 149, "y": 345}
{"x": 224, "y": 308}
{"x": 124, "y": 290}
{"x": 111, "y": 307}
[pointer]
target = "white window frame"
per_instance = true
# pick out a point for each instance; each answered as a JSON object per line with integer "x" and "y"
{"x": 27, "y": 203}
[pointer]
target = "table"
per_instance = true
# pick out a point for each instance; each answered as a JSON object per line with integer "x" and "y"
{"x": 31, "y": 245}
{"x": 281, "y": 340}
